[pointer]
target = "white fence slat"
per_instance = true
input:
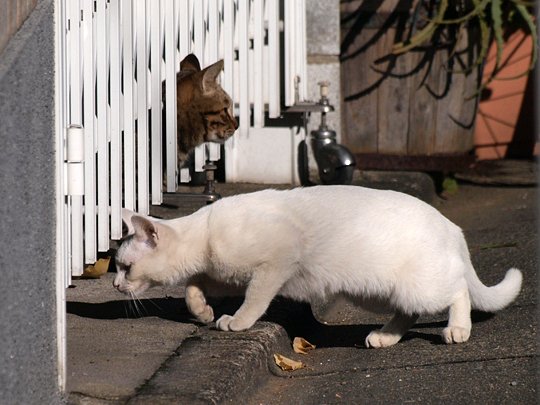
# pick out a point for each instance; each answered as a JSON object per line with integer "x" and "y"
{"x": 184, "y": 175}
{"x": 90, "y": 251}
{"x": 258, "y": 65}
{"x": 212, "y": 55}
{"x": 170, "y": 94}
{"x": 213, "y": 28}
{"x": 243, "y": 69}
{"x": 289, "y": 52}
{"x": 227, "y": 38}
{"x": 75, "y": 63}
{"x": 273, "y": 63}
{"x": 198, "y": 31}
{"x": 184, "y": 37}
{"x": 200, "y": 157}
{"x": 155, "y": 66}
{"x": 142, "y": 112}
{"x": 300, "y": 52}
{"x": 128, "y": 104}
{"x": 102, "y": 130}
{"x": 115, "y": 131}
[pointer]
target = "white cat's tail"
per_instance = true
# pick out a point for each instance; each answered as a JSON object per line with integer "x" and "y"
{"x": 491, "y": 299}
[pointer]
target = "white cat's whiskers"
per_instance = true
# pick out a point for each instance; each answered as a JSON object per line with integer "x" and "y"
{"x": 151, "y": 301}
{"x": 139, "y": 311}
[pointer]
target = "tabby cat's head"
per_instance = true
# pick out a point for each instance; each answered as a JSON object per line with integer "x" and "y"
{"x": 205, "y": 110}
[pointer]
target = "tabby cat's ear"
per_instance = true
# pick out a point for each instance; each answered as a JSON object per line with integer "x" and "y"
{"x": 145, "y": 230}
{"x": 190, "y": 64}
{"x": 210, "y": 75}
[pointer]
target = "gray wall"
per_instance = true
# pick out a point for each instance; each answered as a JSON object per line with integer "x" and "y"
{"x": 323, "y": 47}
{"x": 28, "y": 365}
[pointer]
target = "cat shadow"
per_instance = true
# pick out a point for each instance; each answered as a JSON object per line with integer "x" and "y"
{"x": 168, "y": 308}
{"x": 296, "y": 318}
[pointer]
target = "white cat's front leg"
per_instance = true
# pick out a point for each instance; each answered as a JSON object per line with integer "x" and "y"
{"x": 262, "y": 288}
{"x": 196, "y": 301}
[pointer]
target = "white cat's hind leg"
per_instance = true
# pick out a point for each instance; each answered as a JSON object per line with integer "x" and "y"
{"x": 392, "y": 332}
{"x": 459, "y": 321}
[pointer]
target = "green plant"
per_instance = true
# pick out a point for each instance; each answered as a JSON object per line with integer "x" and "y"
{"x": 445, "y": 22}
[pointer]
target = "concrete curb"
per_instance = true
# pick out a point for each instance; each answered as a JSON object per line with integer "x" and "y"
{"x": 215, "y": 366}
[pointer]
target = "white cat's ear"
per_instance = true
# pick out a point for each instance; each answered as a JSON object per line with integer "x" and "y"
{"x": 210, "y": 75}
{"x": 145, "y": 230}
{"x": 126, "y": 219}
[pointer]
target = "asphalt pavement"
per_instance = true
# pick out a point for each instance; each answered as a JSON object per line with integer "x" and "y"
{"x": 153, "y": 352}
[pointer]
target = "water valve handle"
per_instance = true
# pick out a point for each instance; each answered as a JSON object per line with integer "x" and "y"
{"x": 324, "y": 88}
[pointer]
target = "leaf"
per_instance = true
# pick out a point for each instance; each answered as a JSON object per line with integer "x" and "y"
{"x": 532, "y": 30}
{"x": 287, "y": 364}
{"x": 302, "y": 346}
{"x": 450, "y": 186}
{"x": 478, "y": 10}
{"x": 97, "y": 269}
{"x": 496, "y": 15}
{"x": 424, "y": 34}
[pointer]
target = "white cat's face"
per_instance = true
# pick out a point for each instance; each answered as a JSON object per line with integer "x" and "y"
{"x": 130, "y": 278}
{"x": 136, "y": 257}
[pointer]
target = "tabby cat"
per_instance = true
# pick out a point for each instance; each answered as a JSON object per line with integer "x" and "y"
{"x": 204, "y": 109}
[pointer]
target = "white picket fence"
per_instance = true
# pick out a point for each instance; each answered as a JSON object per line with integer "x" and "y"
{"x": 113, "y": 56}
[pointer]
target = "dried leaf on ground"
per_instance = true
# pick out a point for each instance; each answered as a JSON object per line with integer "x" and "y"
{"x": 97, "y": 269}
{"x": 287, "y": 364}
{"x": 302, "y": 346}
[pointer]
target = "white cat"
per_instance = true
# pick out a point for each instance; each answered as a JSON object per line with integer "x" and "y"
{"x": 382, "y": 249}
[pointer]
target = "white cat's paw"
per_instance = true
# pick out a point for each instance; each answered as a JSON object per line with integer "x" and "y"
{"x": 206, "y": 315}
{"x": 378, "y": 339}
{"x": 455, "y": 334}
{"x": 228, "y": 322}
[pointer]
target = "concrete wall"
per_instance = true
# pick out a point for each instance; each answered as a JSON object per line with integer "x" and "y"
{"x": 323, "y": 47}
{"x": 28, "y": 355}
{"x": 12, "y": 15}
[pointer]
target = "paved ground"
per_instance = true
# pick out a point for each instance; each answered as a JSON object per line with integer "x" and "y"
{"x": 153, "y": 352}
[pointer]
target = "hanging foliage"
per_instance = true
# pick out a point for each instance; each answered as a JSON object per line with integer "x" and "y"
{"x": 493, "y": 20}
